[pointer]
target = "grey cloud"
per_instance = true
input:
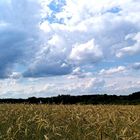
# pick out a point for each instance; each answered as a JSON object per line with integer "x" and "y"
{"x": 51, "y": 69}
{"x": 136, "y": 66}
{"x": 19, "y": 34}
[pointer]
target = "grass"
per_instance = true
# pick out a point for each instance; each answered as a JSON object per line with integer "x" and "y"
{"x": 69, "y": 122}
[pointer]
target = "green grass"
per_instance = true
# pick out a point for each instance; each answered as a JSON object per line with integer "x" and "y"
{"x": 69, "y": 122}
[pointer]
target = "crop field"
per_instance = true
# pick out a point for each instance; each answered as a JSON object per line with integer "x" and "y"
{"x": 69, "y": 122}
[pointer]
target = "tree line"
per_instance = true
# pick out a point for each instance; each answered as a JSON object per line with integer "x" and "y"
{"x": 131, "y": 99}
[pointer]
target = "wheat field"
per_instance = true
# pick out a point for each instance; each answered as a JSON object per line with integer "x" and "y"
{"x": 69, "y": 122}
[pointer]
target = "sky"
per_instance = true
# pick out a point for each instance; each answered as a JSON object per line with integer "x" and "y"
{"x": 51, "y": 47}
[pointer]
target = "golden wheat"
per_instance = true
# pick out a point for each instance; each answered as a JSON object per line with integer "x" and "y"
{"x": 69, "y": 122}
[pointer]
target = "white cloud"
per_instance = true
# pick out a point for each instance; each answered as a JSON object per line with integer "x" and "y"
{"x": 11, "y": 88}
{"x": 15, "y": 75}
{"x": 111, "y": 71}
{"x": 131, "y": 50}
{"x": 88, "y": 52}
{"x": 95, "y": 83}
{"x": 79, "y": 73}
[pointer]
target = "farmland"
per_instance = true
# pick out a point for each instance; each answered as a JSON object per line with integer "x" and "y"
{"x": 69, "y": 122}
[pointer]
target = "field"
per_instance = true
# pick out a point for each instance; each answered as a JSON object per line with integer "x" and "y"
{"x": 69, "y": 122}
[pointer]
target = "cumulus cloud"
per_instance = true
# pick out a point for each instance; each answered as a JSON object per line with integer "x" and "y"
{"x": 15, "y": 75}
{"x": 42, "y": 69}
{"x": 50, "y": 60}
{"x": 55, "y": 33}
{"x": 15, "y": 88}
{"x": 95, "y": 84}
{"x": 18, "y": 31}
{"x": 72, "y": 32}
{"x": 88, "y": 52}
{"x": 136, "y": 66}
{"x": 131, "y": 50}
{"x": 79, "y": 73}
{"x": 112, "y": 71}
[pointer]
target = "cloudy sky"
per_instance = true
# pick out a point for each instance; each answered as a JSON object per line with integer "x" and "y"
{"x": 51, "y": 47}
